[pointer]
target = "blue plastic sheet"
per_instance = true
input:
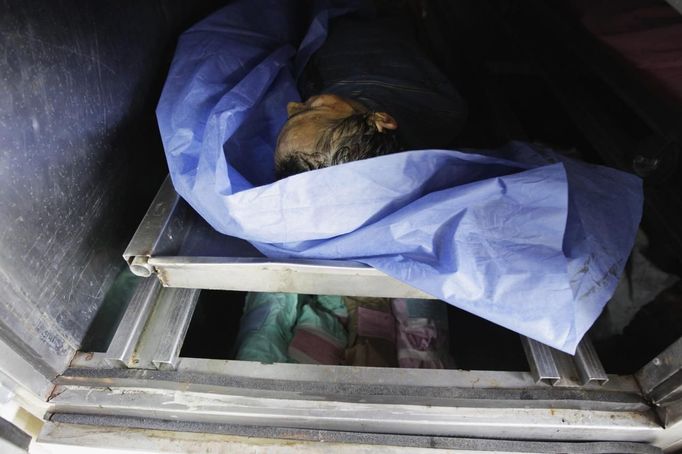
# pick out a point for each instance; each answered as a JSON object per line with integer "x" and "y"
{"x": 527, "y": 239}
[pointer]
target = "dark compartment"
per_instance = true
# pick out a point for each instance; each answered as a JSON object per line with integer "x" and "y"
{"x": 475, "y": 344}
{"x": 85, "y": 159}
{"x": 215, "y": 325}
{"x": 81, "y": 160}
{"x": 521, "y": 82}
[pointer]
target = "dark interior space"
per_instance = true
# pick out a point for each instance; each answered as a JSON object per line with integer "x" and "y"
{"x": 522, "y": 81}
{"x": 518, "y": 160}
{"x": 525, "y": 79}
{"x": 215, "y": 324}
{"x": 475, "y": 344}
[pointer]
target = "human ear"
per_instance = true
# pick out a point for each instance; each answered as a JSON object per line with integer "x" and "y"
{"x": 383, "y": 121}
{"x": 294, "y": 107}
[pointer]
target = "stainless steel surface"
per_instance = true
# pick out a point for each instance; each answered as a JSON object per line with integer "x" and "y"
{"x": 78, "y": 431}
{"x": 21, "y": 384}
{"x": 445, "y": 378}
{"x": 541, "y": 361}
{"x": 342, "y": 398}
{"x": 263, "y": 275}
{"x": 162, "y": 225}
{"x": 161, "y": 341}
{"x": 661, "y": 382}
{"x": 139, "y": 266}
{"x": 488, "y": 389}
{"x": 31, "y": 332}
{"x": 664, "y": 366}
{"x": 671, "y": 438}
{"x": 514, "y": 423}
{"x": 670, "y": 390}
{"x": 558, "y": 368}
{"x": 456, "y": 402}
{"x": 80, "y": 158}
{"x": 124, "y": 342}
{"x": 671, "y": 414}
{"x": 588, "y": 364}
{"x": 173, "y": 242}
{"x": 11, "y": 434}
{"x": 16, "y": 372}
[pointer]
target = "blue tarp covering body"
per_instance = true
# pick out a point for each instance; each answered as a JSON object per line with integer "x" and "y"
{"x": 527, "y": 239}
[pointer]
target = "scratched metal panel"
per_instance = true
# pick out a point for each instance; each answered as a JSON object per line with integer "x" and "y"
{"x": 80, "y": 156}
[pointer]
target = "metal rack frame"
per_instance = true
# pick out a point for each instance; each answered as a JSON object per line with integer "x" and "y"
{"x": 156, "y": 245}
{"x": 141, "y": 381}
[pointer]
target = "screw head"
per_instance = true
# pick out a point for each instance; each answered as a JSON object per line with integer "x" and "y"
{"x": 644, "y": 166}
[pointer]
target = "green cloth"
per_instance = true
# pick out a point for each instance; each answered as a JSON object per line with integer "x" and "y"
{"x": 319, "y": 335}
{"x": 270, "y": 319}
{"x": 267, "y": 327}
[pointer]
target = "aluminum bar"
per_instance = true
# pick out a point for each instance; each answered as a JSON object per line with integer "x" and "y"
{"x": 162, "y": 339}
{"x": 122, "y": 346}
{"x": 664, "y": 366}
{"x": 588, "y": 364}
{"x": 91, "y": 433}
{"x": 339, "y": 415}
{"x": 542, "y": 364}
{"x": 316, "y": 277}
{"x": 160, "y": 232}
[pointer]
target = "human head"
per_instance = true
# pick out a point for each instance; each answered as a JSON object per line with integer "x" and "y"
{"x": 328, "y": 130}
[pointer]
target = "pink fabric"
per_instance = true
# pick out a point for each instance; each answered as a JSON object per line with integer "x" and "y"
{"x": 373, "y": 323}
{"x": 422, "y": 337}
{"x": 418, "y": 345}
{"x": 312, "y": 347}
{"x": 371, "y": 332}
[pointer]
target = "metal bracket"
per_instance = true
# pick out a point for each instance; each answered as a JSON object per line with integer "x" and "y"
{"x": 551, "y": 366}
{"x": 161, "y": 231}
{"x": 127, "y": 335}
{"x": 588, "y": 364}
{"x": 543, "y": 367}
{"x": 152, "y": 331}
{"x": 159, "y": 347}
{"x": 661, "y": 378}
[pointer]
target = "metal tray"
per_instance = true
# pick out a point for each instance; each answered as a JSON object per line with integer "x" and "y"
{"x": 174, "y": 243}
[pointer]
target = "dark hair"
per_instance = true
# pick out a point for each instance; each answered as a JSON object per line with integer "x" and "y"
{"x": 349, "y": 139}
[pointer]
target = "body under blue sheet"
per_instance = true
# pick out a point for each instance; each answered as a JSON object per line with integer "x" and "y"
{"x": 527, "y": 239}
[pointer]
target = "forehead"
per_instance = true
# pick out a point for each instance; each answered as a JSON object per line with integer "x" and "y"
{"x": 301, "y": 133}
